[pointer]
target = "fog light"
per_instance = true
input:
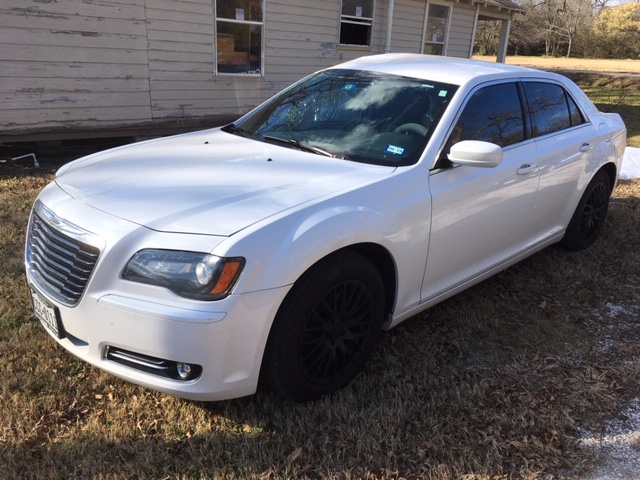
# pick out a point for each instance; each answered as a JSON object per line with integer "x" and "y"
{"x": 184, "y": 370}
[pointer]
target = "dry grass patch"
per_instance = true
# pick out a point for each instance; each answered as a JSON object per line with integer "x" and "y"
{"x": 614, "y": 93}
{"x": 580, "y": 64}
{"x": 494, "y": 383}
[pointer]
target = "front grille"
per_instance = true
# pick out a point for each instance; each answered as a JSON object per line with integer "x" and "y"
{"x": 59, "y": 263}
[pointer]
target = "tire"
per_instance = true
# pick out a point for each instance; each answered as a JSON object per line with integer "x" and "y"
{"x": 588, "y": 219}
{"x": 325, "y": 329}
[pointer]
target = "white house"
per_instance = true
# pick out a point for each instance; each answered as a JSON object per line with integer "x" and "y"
{"x": 89, "y": 67}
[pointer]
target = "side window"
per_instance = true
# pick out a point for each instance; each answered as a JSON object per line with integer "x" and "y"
{"x": 356, "y": 20}
{"x": 239, "y": 28}
{"x": 576, "y": 114}
{"x": 435, "y": 31}
{"x": 492, "y": 114}
{"x": 549, "y": 108}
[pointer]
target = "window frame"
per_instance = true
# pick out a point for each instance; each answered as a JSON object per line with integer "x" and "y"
{"x": 526, "y": 123}
{"x": 261, "y": 24}
{"x": 447, "y": 28}
{"x": 355, "y": 20}
{"x": 568, "y": 100}
{"x": 443, "y": 163}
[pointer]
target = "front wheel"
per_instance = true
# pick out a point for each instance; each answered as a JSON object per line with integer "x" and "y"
{"x": 588, "y": 219}
{"x": 326, "y": 328}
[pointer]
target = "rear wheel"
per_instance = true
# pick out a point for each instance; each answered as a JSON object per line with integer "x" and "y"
{"x": 588, "y": 219}
{"x": 326, "y": 328}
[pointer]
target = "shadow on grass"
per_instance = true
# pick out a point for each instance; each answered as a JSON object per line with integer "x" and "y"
{"x": 53, "y": 154}
{"x": 495, "y": 382}
{"x": 491, "y": 383}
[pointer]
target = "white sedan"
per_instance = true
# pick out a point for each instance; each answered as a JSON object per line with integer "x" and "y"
{"x": 277, "y": 248}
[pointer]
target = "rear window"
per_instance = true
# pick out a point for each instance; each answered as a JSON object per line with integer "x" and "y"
{"x": 552, "y": 109}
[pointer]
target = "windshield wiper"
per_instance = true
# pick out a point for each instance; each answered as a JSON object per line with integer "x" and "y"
{"x": 305, "y": 147}
{"x": 232, "y": 128}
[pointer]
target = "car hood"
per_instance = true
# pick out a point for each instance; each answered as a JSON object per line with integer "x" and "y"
{"x": 208, "y": 182}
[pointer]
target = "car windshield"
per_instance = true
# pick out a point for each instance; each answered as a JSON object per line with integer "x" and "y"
{"x": 353, "y": 115}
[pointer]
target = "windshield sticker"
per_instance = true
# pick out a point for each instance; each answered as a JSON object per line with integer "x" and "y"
{"x": 443, "y": 93}
{"x": 347, "y": 87}
{"x": 427, "y": 86}
{"x": 395, "y": 149}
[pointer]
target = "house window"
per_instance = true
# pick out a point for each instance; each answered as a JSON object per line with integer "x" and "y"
{"x": 239, "y": 36}
{"x": 356, "y": 20}
{"x": 435, "y": 31}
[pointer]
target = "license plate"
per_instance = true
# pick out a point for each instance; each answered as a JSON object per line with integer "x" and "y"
{"x": 46, "y": 313}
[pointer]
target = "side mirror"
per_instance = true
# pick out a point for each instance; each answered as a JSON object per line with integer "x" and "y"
{"x": 475, "y": 153}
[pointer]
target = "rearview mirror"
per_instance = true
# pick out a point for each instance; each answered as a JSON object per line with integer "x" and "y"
{"x": 475, "y": 153}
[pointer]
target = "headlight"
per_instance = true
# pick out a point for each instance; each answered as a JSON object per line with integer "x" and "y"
{"x": 199, "y": 276}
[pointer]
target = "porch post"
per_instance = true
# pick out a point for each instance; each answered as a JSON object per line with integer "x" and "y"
{"x": 475, "y": 30}
{"x": 504, "y": 40}
{"x": 387, "y": 38}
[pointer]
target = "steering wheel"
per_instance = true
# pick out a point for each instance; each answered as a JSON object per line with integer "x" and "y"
{"x": 412, "y": 128}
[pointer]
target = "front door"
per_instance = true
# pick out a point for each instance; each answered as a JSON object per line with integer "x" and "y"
{"x": 481, "y": 216}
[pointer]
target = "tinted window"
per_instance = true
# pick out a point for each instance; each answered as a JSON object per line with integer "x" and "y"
{"x": 576, "y": 115}
{"x": 492, "y": 114}
{"x": 548, "y": 106}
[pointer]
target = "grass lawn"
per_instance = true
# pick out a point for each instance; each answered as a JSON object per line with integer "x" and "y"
{"x": 597, "y": 65}
{"x": 501, "y": 381}
{"x": 614, "y": 94}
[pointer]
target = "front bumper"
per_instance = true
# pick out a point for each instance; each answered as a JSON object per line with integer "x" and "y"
{"x": 228, "y": 343}
{"x": 225, "y": 337}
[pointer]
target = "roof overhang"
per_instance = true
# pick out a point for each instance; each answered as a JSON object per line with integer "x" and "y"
{"x": 507, "y": 5}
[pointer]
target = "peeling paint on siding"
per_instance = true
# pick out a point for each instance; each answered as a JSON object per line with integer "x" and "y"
{"x": 61, "y": 100}
{"x": 82, "y": 34}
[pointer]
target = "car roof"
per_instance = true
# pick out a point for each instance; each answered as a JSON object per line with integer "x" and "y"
{"x": 457, "y": 71}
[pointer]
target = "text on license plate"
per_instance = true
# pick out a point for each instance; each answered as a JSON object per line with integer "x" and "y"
{"x": 45, "y": 313}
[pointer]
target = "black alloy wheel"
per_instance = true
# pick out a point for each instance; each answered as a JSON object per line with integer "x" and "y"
{"x": 594, "y": 212}
{"x": 336, "y": 331}
{"x": 588, "y": 219}
{"x": 326, "y": 328}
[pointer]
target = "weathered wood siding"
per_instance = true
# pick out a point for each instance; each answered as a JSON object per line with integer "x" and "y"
{"x": 301, "y": 38}
{"x": 110, "y": 64}
{"x": 460, "y": 30}
{"x": 73, "y": 65}
{"x": 180, "y": 40}
{"x": 406, "y": 29}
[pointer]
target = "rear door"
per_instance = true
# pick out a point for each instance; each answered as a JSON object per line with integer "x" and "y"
{"x": 564, "y": 143}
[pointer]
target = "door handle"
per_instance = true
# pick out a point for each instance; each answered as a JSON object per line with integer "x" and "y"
{"x": 527, "y": 168}
{"x": 586, "y": 147}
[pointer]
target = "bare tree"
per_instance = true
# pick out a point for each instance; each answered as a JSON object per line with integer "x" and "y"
{"x": 551, "y": 26}
{"x": 487, "y": 37}
{"x": 573, "y": 16}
